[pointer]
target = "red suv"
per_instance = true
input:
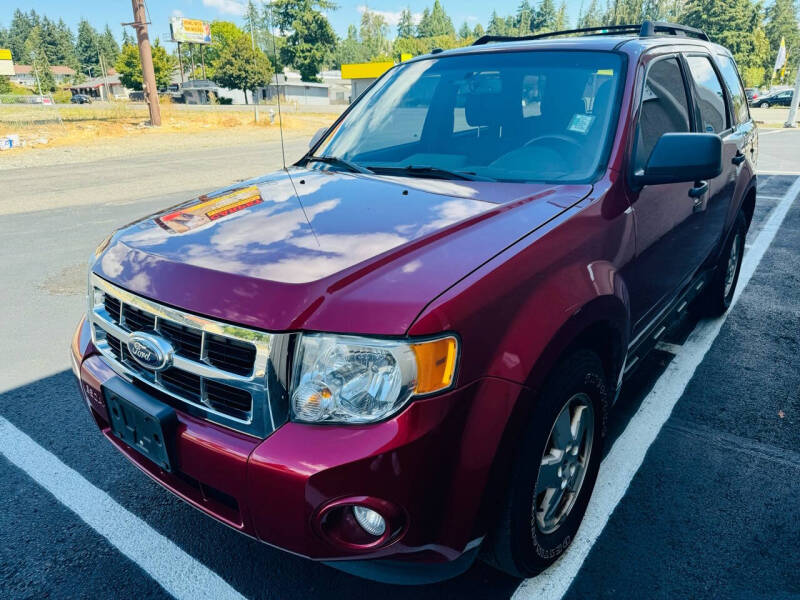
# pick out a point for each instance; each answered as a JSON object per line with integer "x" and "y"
{"x": 402, "y": 351}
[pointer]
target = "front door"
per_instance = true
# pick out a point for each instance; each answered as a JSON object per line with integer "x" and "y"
{"x": 671, "y": 240}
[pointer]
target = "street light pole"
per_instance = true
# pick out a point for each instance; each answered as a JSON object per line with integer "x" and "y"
{"x": 252, "y": 92}
{"x": 146, "y": 56}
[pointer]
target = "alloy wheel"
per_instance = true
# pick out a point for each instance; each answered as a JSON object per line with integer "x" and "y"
{"x": 564, "y": 464}
{"x": 733, "y": 263}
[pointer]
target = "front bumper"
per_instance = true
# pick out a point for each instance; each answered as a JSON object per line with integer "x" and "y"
{"x": 430, "y": 464}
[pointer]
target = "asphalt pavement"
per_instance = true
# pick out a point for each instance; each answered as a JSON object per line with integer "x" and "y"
{"x": 712, "y": 510}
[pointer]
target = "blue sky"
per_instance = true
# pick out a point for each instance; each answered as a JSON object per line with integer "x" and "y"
{"x": 114, "y": 12}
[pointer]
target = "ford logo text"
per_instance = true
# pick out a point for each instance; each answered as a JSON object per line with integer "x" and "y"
{"x": 151, "y": 351}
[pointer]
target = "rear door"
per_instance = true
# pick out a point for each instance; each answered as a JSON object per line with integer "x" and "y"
{"x": 712, "y": 116}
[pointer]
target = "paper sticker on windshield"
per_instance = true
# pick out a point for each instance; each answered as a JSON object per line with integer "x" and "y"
{"x": 580, "y": 123}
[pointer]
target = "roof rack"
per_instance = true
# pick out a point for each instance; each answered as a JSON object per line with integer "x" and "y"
{"x": 646, "y": 29}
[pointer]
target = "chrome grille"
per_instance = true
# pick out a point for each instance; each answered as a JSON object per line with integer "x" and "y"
{"x": 219, "y": 371}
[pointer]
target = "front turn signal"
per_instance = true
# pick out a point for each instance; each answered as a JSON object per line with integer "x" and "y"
{"x": 436, "y": 364}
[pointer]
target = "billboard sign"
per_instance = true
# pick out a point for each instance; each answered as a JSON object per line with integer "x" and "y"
{"x": 6, "y": 64}
{"x": 190, "y": 31}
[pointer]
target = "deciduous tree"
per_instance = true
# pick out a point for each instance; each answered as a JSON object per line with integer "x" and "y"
{"x": 129, "y": 66}
{"x": 241, "y": 67}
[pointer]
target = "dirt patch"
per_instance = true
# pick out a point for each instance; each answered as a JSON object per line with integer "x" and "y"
{"x": 67, "y": 282}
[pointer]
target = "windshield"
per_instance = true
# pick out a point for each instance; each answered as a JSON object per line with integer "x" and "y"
{"x": 507, "y": 116}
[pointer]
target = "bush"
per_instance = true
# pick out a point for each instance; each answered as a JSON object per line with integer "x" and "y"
{"x": 20, "y": 90}
{"x": 62, "y": 96}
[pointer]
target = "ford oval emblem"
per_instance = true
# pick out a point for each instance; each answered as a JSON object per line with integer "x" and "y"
{"x": 151, "y": 351}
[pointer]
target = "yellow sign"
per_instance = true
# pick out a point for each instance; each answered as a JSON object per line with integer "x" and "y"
{"x": 365, "y": 70}
{"x": 6, "y": 64}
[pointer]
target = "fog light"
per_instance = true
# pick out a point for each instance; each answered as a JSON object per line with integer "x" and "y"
{"x": 371, "y": 521}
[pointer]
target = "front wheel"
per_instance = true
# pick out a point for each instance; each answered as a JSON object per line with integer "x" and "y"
{"x": 764, "y": 105}
{"x": 555, "y": 469}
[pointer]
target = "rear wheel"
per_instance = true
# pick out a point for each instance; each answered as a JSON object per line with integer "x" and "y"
{"x": 719, "y": 294}
{"x": 555, "y": 469}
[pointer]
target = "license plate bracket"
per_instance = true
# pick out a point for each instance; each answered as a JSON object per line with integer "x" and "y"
{"x": 141, "y": 422}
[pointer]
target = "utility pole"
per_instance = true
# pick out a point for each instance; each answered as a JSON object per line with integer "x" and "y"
{"x": 792, "y": 120}
{"x": 146, "y": 56}
{"x": 252, "y": 92}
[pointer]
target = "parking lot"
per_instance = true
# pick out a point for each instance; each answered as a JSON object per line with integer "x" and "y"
{"x": 697, "y": 495}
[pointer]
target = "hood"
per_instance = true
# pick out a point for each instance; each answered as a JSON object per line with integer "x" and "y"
{"x": 325, "y": 250}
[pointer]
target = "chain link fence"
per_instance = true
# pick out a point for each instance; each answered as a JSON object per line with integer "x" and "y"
{"x": 25, "y": 110}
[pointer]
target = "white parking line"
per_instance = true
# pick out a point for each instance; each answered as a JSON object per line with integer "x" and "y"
{"x": 626, "y": 456}
{"x": 172, "y": 568}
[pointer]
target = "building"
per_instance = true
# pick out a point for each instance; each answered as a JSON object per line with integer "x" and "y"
{"x": 361, "y": 75}
{"x": 292, "y": 89}
{"x": 95, "y": 87}
{"x": 25, "y": 75}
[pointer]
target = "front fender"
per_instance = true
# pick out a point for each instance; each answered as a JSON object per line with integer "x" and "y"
{"x": 518, "y": 313}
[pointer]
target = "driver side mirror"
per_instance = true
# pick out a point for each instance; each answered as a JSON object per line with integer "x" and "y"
{"x": 317, "y": 136}
{"x": 681, "y": 157}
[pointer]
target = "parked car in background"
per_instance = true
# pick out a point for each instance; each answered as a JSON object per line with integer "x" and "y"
{"x": 752, "y": 94}
{"x": 81, "y": 99}
{"x": 781, "y": 98}
{"x": 401, "y": 352}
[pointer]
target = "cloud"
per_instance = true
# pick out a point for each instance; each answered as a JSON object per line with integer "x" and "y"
{"x": 392, "y": 17}
{"x": 230, "y": 7}
{"x": 177, "y": 12}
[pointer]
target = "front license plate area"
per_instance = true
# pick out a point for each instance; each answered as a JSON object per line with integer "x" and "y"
{"x": 143, "y": 423}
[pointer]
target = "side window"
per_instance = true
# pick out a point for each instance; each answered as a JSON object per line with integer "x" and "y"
{"x": 710, "y": 98}
{"x": 729, "y": 73}
{"x": 664, "y": 108}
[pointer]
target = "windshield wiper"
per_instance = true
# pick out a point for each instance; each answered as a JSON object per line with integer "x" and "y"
{"x": 340, "y": 162}
{"x": 434, "y": 171}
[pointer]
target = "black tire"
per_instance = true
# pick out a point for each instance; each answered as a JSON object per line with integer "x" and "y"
{"x": 764, "y": 105}
{"x": 517, "y": 544}
{"x": 717, "y": 297}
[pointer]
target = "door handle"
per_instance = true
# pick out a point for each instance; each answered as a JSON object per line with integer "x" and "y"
{"x": 700, "y": 188}
{"x": 738, "y": 158}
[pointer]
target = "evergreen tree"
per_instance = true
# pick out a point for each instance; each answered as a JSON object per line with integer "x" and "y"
{"x": 727, "y": 22}
{"x": 545, "y": 17}
{"x": 36, "y": 49}
{"x": 465, "y": 33}
{"x": 311, "y": 39}
{"x": 108, "y": 46}
{"x": 21, "y": 25}
{"x": 405, "y": 26}
{"x": 592, "y": 17}
{"x": 128, "y": 38}
{"x": 562, "y": 20}
{"x": 373, "y": 32}
{"x": 65, "y": 46}
{"x": 497, "y": 25}
{"x": 479, "y": 31}
{"x": 86, "y": 48}
{"x": 435, "y": 22}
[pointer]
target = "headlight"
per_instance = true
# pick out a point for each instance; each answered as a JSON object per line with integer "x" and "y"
{"x": 348, "y": 379}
